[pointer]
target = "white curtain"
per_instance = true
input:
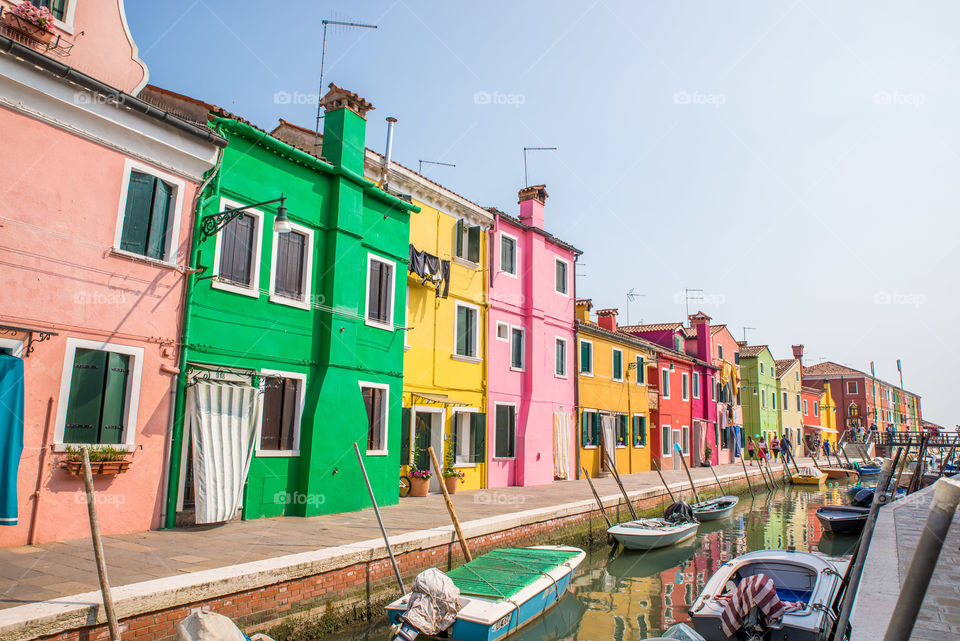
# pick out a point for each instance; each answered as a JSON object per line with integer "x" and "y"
{"x": 223, "y": 425}
{"x": 609, "y": 439}
{"x": 561, "y": 444}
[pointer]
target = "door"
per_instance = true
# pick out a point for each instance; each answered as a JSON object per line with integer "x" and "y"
{"x": 428, "y": 431}
{"x": 676, "y": 455}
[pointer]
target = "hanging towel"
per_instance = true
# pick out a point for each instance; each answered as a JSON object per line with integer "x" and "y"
{"x": 609, "y": 440}
{"x": 11, "y": 434}
{"x": 223, "y": 425}
{"x": 561, "y": 444}
{"x": 757, "y": 591}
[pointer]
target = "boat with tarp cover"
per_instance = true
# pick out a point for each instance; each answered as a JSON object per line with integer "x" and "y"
{"x": 489, "y": 597}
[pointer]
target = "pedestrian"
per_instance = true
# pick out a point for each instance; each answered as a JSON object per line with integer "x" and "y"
{"x": 775, "y": 448}
{"x": 786, "y": 449}
{"x": 750, "y": 449}
{"x": 762, "y": 450}
{"x": 826, "y": 450}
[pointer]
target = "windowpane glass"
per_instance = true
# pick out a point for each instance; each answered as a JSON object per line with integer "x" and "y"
{"x": 561, "y": 358}
{"x": 561, "y": 277}
{"x": 516, "y": 349}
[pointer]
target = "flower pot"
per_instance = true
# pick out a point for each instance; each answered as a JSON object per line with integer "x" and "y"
{"x": 451, "y": 483}
{"x": 27, "y": 28}
{"x": 97, "y": 467}
{"x": 419, "y": 487}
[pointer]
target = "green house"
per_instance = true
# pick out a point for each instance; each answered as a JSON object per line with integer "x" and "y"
{"x": 292, "y": 335}
{"x": 759, "y": 393}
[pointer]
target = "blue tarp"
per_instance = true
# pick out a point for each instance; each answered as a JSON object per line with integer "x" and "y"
{"x": 11, "y": 434}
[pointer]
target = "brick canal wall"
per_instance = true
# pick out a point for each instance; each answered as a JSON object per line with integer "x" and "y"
{"x": 328, "y": 587}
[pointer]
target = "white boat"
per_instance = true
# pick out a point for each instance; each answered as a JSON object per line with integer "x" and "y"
{"x": 500, "y": 592}
{"x": 798, "y": 577}
{"x": 717, "y": 508}
{"x": 648, "y": 534}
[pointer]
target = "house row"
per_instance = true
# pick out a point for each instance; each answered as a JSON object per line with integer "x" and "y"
{"x": 231, "y": 316}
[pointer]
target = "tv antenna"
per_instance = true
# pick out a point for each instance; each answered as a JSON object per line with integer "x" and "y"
{"x": 432, "y": 162}
{"x": 526, "y": 180}
{"x": 745, "y": 333}
{"x": 687, "y": 297}
{"x": 632, "y": 295}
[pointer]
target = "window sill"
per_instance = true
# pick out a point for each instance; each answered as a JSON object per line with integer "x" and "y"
{"x": 276, "y": 453}
{"x": 216, "y": 283}
{"x": 459, "y": 464}
{"x": 378, "y": 325}
{"x": 61, "y": 448}
{"x": 589, "y": 447}
{"x": 463, "y": 262}
{"x": 280, "y": 299}
{"x": 621, "y": 447}
{"x": 564, "y": 294}
{"x": 377, "y": 452}
{"x": 518, "y": 369}
{"x": 505, "y": 459}
{"x": 617, "y": 380}
{"x": 563, "y": 376}
{"x": 466, "y": 359}
{"x": 587, "y": 374}
{"x": 139, "y": 258}
{"x": 508, "y": 274}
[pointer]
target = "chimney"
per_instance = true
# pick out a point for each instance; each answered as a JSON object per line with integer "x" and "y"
{"x": 607, "y": 319}
{"x": 584, "y": 305}
{"x": 345, "y": 128}
{"x": 532, "y": 201}
{"x": 798, "y": 353}
{"x": 701, "y": 323}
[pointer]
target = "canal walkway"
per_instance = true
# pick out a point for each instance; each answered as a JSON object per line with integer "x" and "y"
{"x": 56, "y": 583}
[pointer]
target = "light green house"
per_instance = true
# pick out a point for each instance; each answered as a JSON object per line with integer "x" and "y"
{"x": 759, "y": 391}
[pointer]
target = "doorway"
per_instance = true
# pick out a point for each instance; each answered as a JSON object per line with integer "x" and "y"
{"x": 427, "y": 426}
{"x": 676, "y": 454}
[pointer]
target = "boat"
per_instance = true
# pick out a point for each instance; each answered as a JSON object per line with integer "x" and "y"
{"x": 717, "y": 508}
{"x": 495, "y": 594}
{"x": 842, "y": 519}
{"x": 866, "y": 470}
{"x": 809, "y": 476}
{"x": 649, "y": 534}
{"x": 806, "y": 583}
{"x": 837, "y": 472}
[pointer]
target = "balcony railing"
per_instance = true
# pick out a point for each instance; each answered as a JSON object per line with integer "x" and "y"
{"x": 57, "y": 45}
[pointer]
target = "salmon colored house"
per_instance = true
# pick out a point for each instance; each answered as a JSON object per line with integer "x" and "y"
{"x": 530, "y": 364}
{"x": 95, "y": 249}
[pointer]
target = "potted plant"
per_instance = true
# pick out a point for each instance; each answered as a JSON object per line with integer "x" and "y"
{"x": 451, "y": 474}
{"x": 104, "y": 459}
{"x": 35, "y": 22}
{"x": 707, "y": 455}
{"x": 419, "y": 481}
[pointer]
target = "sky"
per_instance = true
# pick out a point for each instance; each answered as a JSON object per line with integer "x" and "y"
{"x": 796, "y": 161}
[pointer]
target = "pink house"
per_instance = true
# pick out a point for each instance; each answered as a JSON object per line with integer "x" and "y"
{"x": 100, "y": 192}
{"x": 530, "y": 376}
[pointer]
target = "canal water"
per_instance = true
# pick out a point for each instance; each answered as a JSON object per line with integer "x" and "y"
{"x": 630, "y": 596}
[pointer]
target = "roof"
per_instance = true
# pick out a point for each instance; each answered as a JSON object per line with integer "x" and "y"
{"x": 629, "y": 339}
{"x": 829, "y": 368}
{"x": 750, "y": 351}
{"x": 653, "y": 327}
{"x": 537, "y": 230}
{"x": 783, "y": 365}
{"x": 810, "y": 390}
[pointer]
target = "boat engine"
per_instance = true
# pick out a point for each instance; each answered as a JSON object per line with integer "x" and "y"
{"x": 863, "y": 498}
{"x": 432, "y": 607}
{"x": 679, "y": 512}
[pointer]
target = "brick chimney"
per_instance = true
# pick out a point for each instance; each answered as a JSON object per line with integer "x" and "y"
{"x": 607, "y": 319}
{"x": 584, "y": 305}
{"x": 798, "y": 353}
{"x": 701, "y": 323}
{"x": 532, "y": 201}
{"x": 345, "y": 128}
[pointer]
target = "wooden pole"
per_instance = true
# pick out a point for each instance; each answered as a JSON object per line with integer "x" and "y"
{"x": 746, "y": 476}
{"x": 717, "y": 479}
{"x": 616, "y": 477}
{"x": 376, "y": 510}
{"x": 786, "y": 473}
{"x": 597, "y": 497}
{"x": 453, "y": 513}
{"x": 687, "y": 469}
{"x": 903, "y": 466}
{"x": 112, "y": 623}
{"x": 664, "y": 481}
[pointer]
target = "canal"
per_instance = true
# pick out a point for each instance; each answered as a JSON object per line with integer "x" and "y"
{"x": 630, "y": 596}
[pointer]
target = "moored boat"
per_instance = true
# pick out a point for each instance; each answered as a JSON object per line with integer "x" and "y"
{"x": 717, "y": 508}
{"x": 809, "y": 476}
{"x": 837, "y": 472}
{"x": 842, "y": 519}
{"x": 492, "y": 596}
{"x": 806, "y": 590}
{"x": 649, "y": 534}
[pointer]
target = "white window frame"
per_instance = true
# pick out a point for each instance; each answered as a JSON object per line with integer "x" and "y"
{"x": 763, "y": 399}
{"x": 646, "y": 439}
{"x": 761, "y": 367}
{"x": 685, "y": 431}
{"x": 386, "y": 416}
{"x": 15, "y": 345}
{"x": 580, "y": 355}
{"x": 665, "y": 383}
{"x": 613, "y": 375}
{"x": 786, "y": 401}
{"x": 566, "y": 357}
{"x": 684, "y": 386}
{"x": 303, "y": 303}
{"x": 805, "y": 412}
{"x": 816, "y": 408}
{"x": 666, "y": 447}
{"x": 67, "y": 23}
{"x": 254, "y": 290}
{"x": 366, "y": 293}
{"x": 505, "y": 339}
{"x": 855, "y": 387}
{"x": 173, "y": 223}
{"x": 696, "y": 385}
{"x": 516, "y": 432}
{"x": 301, "y": 393}
{"x": 132, "y": 404}
{"x": 566, "y": 280}
{"x": 523, "y": 352}
{"x": 456, "y": 332}
{"x": 641, "y": 362}
{"x": 596, "y": 413}
{"x": 454, "y": 414}
{"x": 516, "y": 255}
{"x": 626, "y": 441}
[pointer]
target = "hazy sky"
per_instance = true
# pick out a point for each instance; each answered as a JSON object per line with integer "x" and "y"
{"x": 797, "y": 161}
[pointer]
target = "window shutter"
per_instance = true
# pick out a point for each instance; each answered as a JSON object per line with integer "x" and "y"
{"x": 451, "y": 444}
{"x": 289, "y": 413}
{"x": 462, "y": 331}
{"x": 478, "y": 431}
{"x": 290, "y": 262}
{"x": 386, "y": 277}
{"x": 270, "y": 425}
{"x": 236, "y": 251}
{"x": 405, "y": 436}
{"x": 136, "y": 218}
{"x": 114, "y": 397}
{"x": 458, "y": 237}
{"x": 584, "y": 429}
{"x": 473, "y": 244}
{"x": 82, "y": 424}
{"x": 157, "y": 239}
{"x": 373, "y": 296}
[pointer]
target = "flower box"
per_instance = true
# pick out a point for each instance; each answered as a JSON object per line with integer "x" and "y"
{"x": 27, "y": 28}
{"x": 98, "y": 467}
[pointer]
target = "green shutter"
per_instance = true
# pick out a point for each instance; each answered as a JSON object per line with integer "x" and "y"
{"x": 586, "y": 357}
{"x": 114, "y": 398}
{"x": 478, "y": 430}
{"x": 595, "y": 423}
{"x": 473, "y": 244}
{"x": 82, "y": 424}
{"x": 458, "y": 239}
{"x": 618, "y": 364}
{"x": 136, "y": 218}
{"x": 405, "y": 436}
{"x": 157, "y": 239}
{"x": 584, "y": 429}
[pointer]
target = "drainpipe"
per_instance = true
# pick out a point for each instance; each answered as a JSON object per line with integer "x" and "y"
{"x": 576, "y": 371}
{"x": 176, "y": 432}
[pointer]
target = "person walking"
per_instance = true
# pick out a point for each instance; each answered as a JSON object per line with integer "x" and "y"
{"x": 826, "y": 450}
{"x": 775, "y": 447}
{"x": 786, "y": 449}
{"x": 751, "y": 447}
{"x": 762, "y": 450}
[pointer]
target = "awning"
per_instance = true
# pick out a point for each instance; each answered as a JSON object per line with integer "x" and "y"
{"x": 435, "y": 399}
{"x": 820, "y": 428}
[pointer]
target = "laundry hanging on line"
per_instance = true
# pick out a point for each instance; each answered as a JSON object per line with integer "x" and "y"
{"x": 431, "y": 269}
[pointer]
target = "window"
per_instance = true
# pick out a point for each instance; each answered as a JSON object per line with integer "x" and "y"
{"x": 720, "y": 351}
{"x": 639, "y": 430}
{"x": 677, "y": 343}
{"x": 797, "y": 374}
{"x": 467, "y": 241}
{"x": 379, "y": 292}
{"x": 773, "y": 399}
{"x": 561, "y": 358}
{"x": 786, "y": 404}
{"x": 469, "y": 436}
{"x": 561, "y": 276}
{"x": 761, "y": 367}
{"x": 798, "y": 402}
{"x": 503, "y": 332}
{"x": 101, "y": 385}
{"x": 816, "y": 409}
{"x": 621, "y": 423}
{"x": 467, "y": 330}
{"x": 281, "y": 409}
{"x": 147, "y": 213}
{"x": 516, "y": 348}
{"x": 589, "y": 429}
{"x": 696, "y": 385}
{"x": 57, "y": 7}
{"x": 292, "y": 266}
{"x": 375, "y": 402}
{"x": 617, "y": 369}
{"x": 665, "y": 382}
{"x": 586, "y": 358}
{"x": 641, "y": 370}
{"x": 685, "y": 440}
{"x": 685, "y": 386}
{"x": 736, "y": 358}
{"x": 851, "y": 387}
{"x": 506, "y": 431}
{"x": 763, "y": 399}
{"x": 665, "y": 440}
{"x": 508, "y": 254}
{"x": 805, "y": 413}
{"x": 237, "y": 253}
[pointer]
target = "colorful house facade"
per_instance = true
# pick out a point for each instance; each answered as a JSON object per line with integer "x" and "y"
{"x": 726, "y": 358}
{"x": 613, "y": 400}
{"x": 758, "y": 391}
{"x": 100, "y": 195}
{"x": 530, "y": 367}
{"x": 789, "y": 401}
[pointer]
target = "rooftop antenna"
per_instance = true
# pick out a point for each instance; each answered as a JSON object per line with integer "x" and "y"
{"x": 526, "y": 180}
{"x": 632, "y": 296}
{"x": 745, "y": 333}
{"x": 323, "y": 55}
{"x": 687, "y": 298}
{"x": 432, "y": 162}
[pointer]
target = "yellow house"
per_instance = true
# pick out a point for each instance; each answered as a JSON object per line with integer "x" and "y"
{"x": 612, "y": 390}
{"x": 828, "y": 416}
{"x": 789, "y": 401}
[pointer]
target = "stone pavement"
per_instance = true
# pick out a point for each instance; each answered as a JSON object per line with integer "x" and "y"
{"x": 895, "y": 538}
{"x": 29, "y": 574}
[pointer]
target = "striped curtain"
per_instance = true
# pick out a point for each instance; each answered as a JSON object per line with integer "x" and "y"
{"x": 561, "y": 444}
{"x": 223, "y": 425}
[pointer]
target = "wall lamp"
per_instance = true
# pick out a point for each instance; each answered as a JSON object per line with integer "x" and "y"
{"x": 213, "y": 223}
